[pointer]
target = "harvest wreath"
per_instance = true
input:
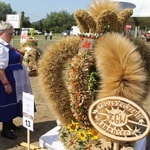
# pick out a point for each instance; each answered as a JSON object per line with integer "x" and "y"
{"x": 82, "y": 80}
{"x": 77, "y": 71}
{"x": 31, "y": 55}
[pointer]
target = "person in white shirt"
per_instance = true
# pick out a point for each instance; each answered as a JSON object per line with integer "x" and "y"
{"x": 51, "y": 35}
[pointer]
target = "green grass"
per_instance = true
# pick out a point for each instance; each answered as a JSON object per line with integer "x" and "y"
{"x": 42, "y": 43}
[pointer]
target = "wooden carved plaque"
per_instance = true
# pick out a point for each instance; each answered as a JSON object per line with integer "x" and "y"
{"x": 119, "y": 118}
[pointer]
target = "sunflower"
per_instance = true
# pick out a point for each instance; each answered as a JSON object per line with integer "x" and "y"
{"x": 94, "y": 134}
{"x": 82, "y": 135}
{"x": 73, "y": 127}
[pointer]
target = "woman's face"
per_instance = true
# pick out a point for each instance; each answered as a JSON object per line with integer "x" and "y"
{"x": 7, "y": 35}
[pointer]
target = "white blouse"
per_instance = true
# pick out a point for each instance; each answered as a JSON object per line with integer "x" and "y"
{"x": 4, "y": 55}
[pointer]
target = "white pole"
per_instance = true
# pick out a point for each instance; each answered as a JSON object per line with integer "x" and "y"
{"x": 28, "y": 138}
{"x": 116, "y": 145}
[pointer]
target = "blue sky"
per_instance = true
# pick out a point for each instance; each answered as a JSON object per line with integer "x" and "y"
{"x": 38, "y": 9}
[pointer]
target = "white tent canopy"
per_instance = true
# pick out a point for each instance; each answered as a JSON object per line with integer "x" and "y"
{"x": 141, "y": 11}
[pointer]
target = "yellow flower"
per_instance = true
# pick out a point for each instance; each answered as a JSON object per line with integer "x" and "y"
{"x": 82, "y": 135}
{"x": 73, "y": 127}
{"x": 94, "y": 134}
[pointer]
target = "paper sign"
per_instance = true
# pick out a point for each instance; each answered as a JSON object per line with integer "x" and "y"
{"x": 28, "y": 110}
{"x": 28, "y": 123}
{"x": 24, "y": 36}
{"x": 14, "y": 19}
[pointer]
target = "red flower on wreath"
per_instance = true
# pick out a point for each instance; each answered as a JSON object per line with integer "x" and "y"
{"x": 86, "y": 44}
{"x": 79, "y": 57}
{"x": 76, "y": 95}
{"x": 74, "y": 83}
{"x": 77, "y": 107}
{"x": 75, "y": 69}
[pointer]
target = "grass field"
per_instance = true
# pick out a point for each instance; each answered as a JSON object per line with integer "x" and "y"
{"x": 42, "y": 43}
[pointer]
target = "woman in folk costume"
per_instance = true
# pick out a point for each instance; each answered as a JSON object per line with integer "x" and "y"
{"x": 14, "y": 81}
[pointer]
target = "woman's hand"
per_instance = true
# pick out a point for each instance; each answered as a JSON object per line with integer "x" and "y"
{"x": 8, "y": 88}
{"x": 5, "y": 81}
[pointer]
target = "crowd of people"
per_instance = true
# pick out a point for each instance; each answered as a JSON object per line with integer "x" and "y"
{"x": 145, "y": 35}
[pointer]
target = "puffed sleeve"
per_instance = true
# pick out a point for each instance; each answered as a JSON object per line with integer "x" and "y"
{"x": 4, "y": 57}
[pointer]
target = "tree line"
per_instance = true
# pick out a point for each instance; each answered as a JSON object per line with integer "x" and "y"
{"x": 55, "y": 21}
